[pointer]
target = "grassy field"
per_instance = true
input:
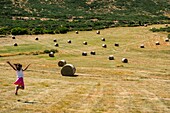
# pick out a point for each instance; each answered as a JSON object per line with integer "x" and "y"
{"x": 101, "y": 86}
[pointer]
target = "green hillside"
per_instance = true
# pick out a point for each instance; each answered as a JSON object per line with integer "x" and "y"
{"x": 60, "y": 16}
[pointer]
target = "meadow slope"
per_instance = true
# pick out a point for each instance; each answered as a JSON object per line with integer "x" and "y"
{"x": 101, "y": 85}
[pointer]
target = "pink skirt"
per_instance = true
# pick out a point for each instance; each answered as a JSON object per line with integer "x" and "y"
{"x": 19, "y": 81}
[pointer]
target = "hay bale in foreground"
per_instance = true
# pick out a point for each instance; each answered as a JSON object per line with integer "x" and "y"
{"x": 68, "y": 70}
{"x": 61, "y": 63}
{"x": 111, "y": 57}
{"x": 124, "y": 60}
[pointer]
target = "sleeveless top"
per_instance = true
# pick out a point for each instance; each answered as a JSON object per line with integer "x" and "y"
{"x": 20, "y": 74}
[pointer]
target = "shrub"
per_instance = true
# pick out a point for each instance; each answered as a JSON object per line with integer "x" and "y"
{"x": 169, "y": 36}
{"x": 19, "y": 31}
{"x": 4, "y": 31}
{"x": 46, "y": 51}
{"x": 61, "y": 30}
{"x": 37, "y": 31}
{"x": 54, "y": 50}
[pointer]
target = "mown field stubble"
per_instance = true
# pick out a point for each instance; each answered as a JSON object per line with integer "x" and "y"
{"x": 101, "y": 85}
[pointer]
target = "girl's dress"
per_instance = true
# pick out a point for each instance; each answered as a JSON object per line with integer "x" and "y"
{"x": 20, "y": 80}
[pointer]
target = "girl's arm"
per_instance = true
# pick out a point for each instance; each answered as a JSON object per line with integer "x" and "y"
{"x": 11, "y": 65}
{"x": 26, "y": 67}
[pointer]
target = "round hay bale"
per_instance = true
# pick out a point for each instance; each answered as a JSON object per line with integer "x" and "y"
{"x": 124, "y": 60}
{"x": 97, "y": 32}
{"x": 166, "y": 25}
{"x": 103, "y": 39}
{"x": 56, "y": 44}
{"x": 55, "y": 40}
{"x": 167, "y": 40}
{"x": 51, "y": 54}
{"x": 111, "y": 57}
{"x": 61, "y": 63}
{"x": 93, "y": 53}
{"x": 36, "y": 38}
{"x": 77, "y": 32}
{"x": 142, "y": 46}
{"x": 104, "y": 45}
{"x": 68, "y": 70}
{"x": 15, "y": 44}
{"x": 13, "y": 37}
{"x": 84, "y": 54}
{"x": 116, "y": 44}
{"x": 145, "y": 25}
{"x": 85, "y": 43}
{"x": 69, "y": 41}
{"x": 157, "y": 43}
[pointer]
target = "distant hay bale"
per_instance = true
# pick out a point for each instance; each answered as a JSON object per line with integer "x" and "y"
{"x": 51, "y": 54}
{"x": 84, "y": 53}
{"x": 85, "y": 43}
{"x": 36, "y": 38}
{"x": 166, "y": 25}
{"x": 13, "y": 37}
{"x": 124, "y": 60}
{"x": 167, "y": 40}
{"x": 97, "y": 32}
{"x": 103, "y": 39}
{"x": 15, "y": 44}
{"x": 157, "y": 43}
{"x": 69, "y": 41}
{"x": 145, "y": 25}
{"x": 76, "y": 32}
{"x": 142, "y": 46}
{"x": 104, "y": 45}
{"x": 61, "y": 63}
{"x": 56, "y": 44}
{"x": 111, "y": 57}
{"x": 68, "y": 70}
{"x": 93, "y": 53}
{"x": 55, "y": 40}
{"x": 116, "y": 44}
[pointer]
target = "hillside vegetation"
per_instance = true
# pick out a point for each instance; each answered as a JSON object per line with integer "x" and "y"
{"x": 60, "y": 16}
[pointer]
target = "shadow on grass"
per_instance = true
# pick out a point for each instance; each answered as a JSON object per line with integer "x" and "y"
{"x": 70, "y": 75}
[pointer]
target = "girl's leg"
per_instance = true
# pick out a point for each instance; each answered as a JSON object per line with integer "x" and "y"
{"x": 16, "y": 90}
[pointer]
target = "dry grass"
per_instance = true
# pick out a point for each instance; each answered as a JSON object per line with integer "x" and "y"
{"x": 102, "y": 86}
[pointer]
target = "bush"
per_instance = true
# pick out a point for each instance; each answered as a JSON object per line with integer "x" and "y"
{"x": 52, "y": 50}
{"x": 169, "y": 36}
{"x": 4, "y": 31}
{"x": 61, "y": 30}
{"x": 37, "y": 31}
{"x": 46, "y": 51}
{"x": 19, "y": 31}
